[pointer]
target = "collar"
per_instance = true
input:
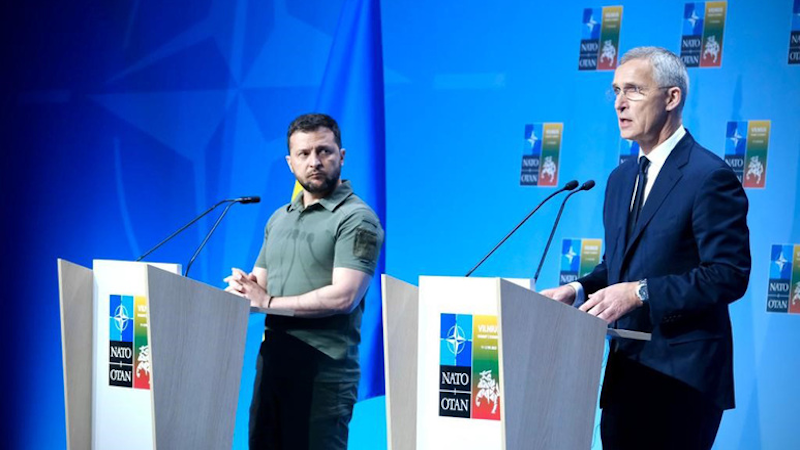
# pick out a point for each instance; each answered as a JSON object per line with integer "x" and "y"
{"x": 329, "y": 202}
{"x": 660, "y": 154}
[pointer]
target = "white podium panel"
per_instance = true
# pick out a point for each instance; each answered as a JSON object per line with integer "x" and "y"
{"x": 497, "y": 366}
{"x": 458, "y": 401}
{"x": 121, "y": 363}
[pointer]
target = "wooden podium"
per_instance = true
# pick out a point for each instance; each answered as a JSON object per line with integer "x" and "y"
{"x": 151, "y": 359}
{"x": 484, "y": 363}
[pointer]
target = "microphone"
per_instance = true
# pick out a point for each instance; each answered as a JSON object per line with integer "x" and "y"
{"x": 253, "y": 199}
{"x": 584, "y": 187}
{"x": 567, "y": 187}
{"x": 246, "y": 200}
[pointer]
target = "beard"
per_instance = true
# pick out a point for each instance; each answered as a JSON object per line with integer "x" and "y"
{"x": 323, "y": 187}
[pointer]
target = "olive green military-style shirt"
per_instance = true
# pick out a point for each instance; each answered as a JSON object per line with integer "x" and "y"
{"x": 302, "y": 246}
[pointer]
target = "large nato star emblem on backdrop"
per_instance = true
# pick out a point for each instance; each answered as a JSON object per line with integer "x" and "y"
{"x": 247, "y": 53}
{"x": 209, "y": 89}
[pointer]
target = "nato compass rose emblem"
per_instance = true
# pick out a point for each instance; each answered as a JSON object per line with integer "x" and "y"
{"x": 570, "y": 255}
{"x": 693, "y": 19}
{"x": 591, "y": 23}
{"x": 533, "y": 138}
{"x": 456, "y": 339}
{"x": 780, "y": 262}
{"x": 736, "y": 137}
{"x": 121, "y": 318}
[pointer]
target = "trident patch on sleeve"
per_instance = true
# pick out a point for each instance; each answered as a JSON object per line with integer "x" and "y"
{"x": 366, "y": 244}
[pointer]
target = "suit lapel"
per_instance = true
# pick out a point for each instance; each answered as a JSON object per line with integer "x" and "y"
{"x": 668, "y": 177}
{"x": 618, "y": 217}
{"x": 628, "y": 183}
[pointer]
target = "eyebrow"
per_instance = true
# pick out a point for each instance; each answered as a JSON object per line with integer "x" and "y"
{"x": 316, "y": 147}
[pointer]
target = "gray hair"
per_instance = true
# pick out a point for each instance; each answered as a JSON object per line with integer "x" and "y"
{"x": 668, "y": 69}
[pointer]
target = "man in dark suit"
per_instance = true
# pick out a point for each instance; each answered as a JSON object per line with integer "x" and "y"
{"x": 677, "y": 253}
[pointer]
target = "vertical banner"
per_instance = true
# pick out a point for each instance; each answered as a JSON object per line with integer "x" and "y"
{"x": 455, "y": 364}
{"x": 120, "y": 341}
{"x": 600, "y": 38}
{"x": 703, "y": 29}
{"x": 485, "y": 369}
{"x": 578, "y": 258}
{"x": 794, "y": 35}
{"x": 714, "y": 27}
{"x": 540, "y": 159}
{"x": 551, "y": 148}
{"x": 141, "y": 378}
{"x": 794, "y": 303}
{"x": 590, "y": 39}
{"x": 736, "y": 147}
{"x": 783, "y": 295}
{"x": 746, "y": 150}
{"x": 692, "y": 37}
{"x": 757, "y": 146}
{"x": 129, "y": 354}
{"x": 609, "y": 38}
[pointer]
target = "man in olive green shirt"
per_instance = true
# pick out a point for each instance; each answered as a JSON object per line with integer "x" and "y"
{"x": 318, "y": 257}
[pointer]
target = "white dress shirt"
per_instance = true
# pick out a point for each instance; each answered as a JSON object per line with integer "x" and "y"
{"x": 658, "y": 156}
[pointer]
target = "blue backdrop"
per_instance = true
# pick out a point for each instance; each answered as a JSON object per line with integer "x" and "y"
{"x": 122, "y": 120}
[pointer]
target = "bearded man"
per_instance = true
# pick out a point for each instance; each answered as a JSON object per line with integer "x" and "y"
{"x": 318, "y": 257}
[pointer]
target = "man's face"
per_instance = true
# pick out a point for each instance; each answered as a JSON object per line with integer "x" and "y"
{"x": 639, "y": 120}
{"x": 315, "y": 160}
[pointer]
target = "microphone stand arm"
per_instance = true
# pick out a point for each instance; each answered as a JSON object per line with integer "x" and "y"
{"x": 208, "y": 236}
{"x": 552, "y": 233}
{"x": 515, "y": 229}
{"x": 181, "y": 229}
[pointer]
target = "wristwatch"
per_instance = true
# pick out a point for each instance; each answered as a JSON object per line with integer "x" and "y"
{"x": 641, "y": 290}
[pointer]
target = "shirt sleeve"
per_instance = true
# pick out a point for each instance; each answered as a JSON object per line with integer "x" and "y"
{"x": 580, "y": 296}
{"x": 358, "y": 241}
{"x": 261, "y": 261}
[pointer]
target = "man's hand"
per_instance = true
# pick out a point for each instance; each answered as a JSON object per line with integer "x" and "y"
{"x": 564, "y": 294}
{"x": 613, "y": 302}
{"x": 246, "y": 285}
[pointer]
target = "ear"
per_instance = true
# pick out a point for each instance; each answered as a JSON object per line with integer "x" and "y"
{"x": 289, "y": 163}
{"x": 341, "y": 155}
{"x": 674, "y": 97}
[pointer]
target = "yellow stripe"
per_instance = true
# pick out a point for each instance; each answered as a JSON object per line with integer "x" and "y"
{"x": 297, "y": 189}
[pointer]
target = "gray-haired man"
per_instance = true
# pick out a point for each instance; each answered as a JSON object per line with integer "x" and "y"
{"x": 677, "y": 253}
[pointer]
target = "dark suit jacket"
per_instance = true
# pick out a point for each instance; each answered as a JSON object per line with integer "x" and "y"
{"x": 693, "y": 246}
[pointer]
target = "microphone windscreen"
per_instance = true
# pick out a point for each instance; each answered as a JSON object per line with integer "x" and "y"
{"x": 571, "y": 185}
{"x": 588, "y": 185}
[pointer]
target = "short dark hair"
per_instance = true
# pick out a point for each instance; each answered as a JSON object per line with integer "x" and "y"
{"x": 313, "y": 122}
